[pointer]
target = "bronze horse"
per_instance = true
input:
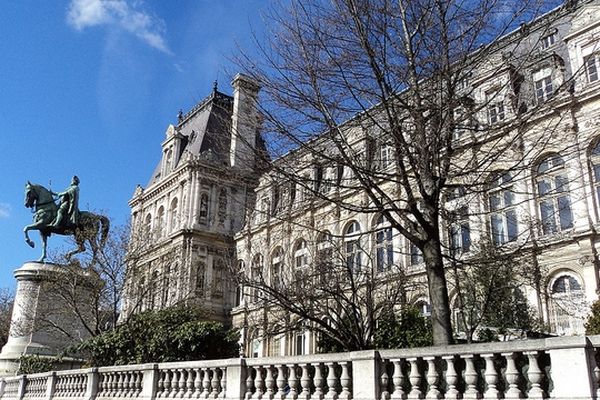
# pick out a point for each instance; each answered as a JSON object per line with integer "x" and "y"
{"x": 90, "y": 225}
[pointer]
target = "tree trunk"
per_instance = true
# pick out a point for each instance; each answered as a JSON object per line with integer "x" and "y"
{"x": 438, "y": 293}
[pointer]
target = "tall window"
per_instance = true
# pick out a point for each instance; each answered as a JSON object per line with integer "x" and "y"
{"x": 460, "y": 232}
{"x": 568, "y": 305}
{"x": 218, "y": 277}
{"x": 595, "y": 164}
{"x": 495, "y": 107}
{"x": 160, "y": 221}
{"x": 256, "y": 270}
{"x": 324, "y": 255}
{"x": 203, "y": 211}
{"x": 148, "y": 224}
{"x": 543, "y": 84}
{"x": 385, "y": 156}
{"x": 502, "y": 207}
{"x": 277, "y": 269}
{"x": 592, "y": 64}
{"x": 299, "y": 343}
{"x": 300, "y": 254}
{"x": 352, "y": 246}
{"x": 384, "y": 247}
{"x": 416, "y": 255}
{"x": 173, "y": 212}
{"x": 222, "y": 206}
{"x": 553, "y": 195}
{"x": 275, "y": 204}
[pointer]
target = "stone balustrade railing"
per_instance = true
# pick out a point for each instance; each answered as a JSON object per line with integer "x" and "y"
{"x": 556, "y": 368}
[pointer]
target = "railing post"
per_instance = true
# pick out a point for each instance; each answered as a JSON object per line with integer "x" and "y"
{"x": 149, "y": 382}
{"x": 50, "y": 384}
{"x": 93, "y": 379}
{"x": 21, "y": 390}
{"x": 571, "y": 367}
{"x": 236, "y": 379}
{"x": 365, "y": 367}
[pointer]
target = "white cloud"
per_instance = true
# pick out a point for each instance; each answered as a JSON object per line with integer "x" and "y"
{"x": 4, "y": 210}
{"x": 86, "y": 13}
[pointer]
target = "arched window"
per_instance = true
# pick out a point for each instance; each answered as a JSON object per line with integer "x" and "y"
{"x": 300, "y": 254}
{"x": 568, "y": 306}
{"x": 256, "y": 271}
{"x": 173, "y": 211}
{"x": 160, "y": 221}
{"x": 424, "y": 307}
{"x": 384, "y": 246}
{"x": 502, "y": 207}
{"x": 352, "y": 247}
{"x": 595, "y": 165}
{"x": 554, "y": 201}
{"x": 222, "y": 206}
{"x": 277, "y": 269}
{"x": 148, "y": 224}
{"x": 203, "y": 211}
{"x": 168, "y": 161}
{"x": 324, "y": 259}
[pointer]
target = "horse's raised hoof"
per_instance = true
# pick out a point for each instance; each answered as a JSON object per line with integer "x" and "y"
{"x": 31, "y": 243}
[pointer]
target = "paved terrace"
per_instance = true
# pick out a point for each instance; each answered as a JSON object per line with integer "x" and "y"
{"x": 556, "y": 368}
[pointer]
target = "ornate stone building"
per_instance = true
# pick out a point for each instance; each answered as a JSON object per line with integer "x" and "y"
{"x": 185, "y": 218}
{"x": 209, "y": 206}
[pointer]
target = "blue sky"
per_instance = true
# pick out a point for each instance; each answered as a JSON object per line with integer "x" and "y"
{"x": 88, "y": 87}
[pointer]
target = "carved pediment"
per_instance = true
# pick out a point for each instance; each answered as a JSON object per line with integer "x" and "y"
{"x": 585, "y": 18}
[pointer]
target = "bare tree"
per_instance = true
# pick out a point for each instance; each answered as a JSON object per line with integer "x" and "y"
{"x": 6, "y": 302}
{"x": 405, "y": 102}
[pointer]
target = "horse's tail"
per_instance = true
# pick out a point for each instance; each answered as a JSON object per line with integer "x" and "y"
{"x": 104, "y": 230}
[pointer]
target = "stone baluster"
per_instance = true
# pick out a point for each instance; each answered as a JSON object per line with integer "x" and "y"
{"x": 259, "y": 384}
{"x": 138, "y": 383}
{"x": 491, "y": 377}
{"x": 189, "y": 383}
{"x": 451, "y": 378}
{"x": 398, "y": 381}
{"x": 319, "y": 383}
{"x": 215, "y": 383}
{"x": 332, "y": 381}
{"x": 305, "y": 382}
{"x": 249, "y": 384}
{"x": 111, "y": 384}
{"x": 512, "y": 377}
{"x": 127, "y": 384}
{"x": 205, "y": 383}
{"x": 223, "y": 383}
{"x": 280, "y": 382}
{"x": 384, "y": 381}
{"x": 597, "y": 376}
{"x": 121, "y": 383}
{"x": 269, "y": 383}
{"x": 182, "y": 383}
{"x": 535, "y": 375}
{"x": 175, "y": 383}
{"x": 71, "y": 386}
{"x": 293, "y": 383}
{"x": 345, "y": 381}
{"x": 471, "y": 378}
{"x": 167, "y": 391}
{"x": 197, "y": 383}
{"x": 414, "y": 379}
{"x": 160, "y": 385}
{"x": 432, "y": 379}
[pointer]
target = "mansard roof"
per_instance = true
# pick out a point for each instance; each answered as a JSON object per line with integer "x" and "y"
{"x": 203, "y": 131}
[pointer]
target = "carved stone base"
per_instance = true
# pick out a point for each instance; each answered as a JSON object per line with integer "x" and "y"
{"x": 42, "y": 319}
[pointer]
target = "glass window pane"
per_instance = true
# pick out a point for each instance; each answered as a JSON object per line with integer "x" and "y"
{"x": 543, "y": 187}
{"x": 597, "y": 173}
{"x": 564, "y": 212}
{"x": 547, "y": 213}
{"x": 562, "y": 184}
{"x": 511, "y": 225}
{"x": 495, "y": 202}
{"x": 466, "y": 237}
{"x": 497, "y": 229}
{"x": 509, "y": 198}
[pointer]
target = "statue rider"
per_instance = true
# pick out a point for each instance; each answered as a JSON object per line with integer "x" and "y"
{"x": 68, "y": 211}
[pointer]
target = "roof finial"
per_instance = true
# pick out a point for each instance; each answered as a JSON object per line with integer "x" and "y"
{"x": 180, "y": 115}
{"x": 215, "y": 86}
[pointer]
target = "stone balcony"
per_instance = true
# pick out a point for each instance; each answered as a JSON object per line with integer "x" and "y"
{"x": 555, "y": 368}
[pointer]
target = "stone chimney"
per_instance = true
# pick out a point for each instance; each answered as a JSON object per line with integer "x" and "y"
{"x": 244, "y": 122}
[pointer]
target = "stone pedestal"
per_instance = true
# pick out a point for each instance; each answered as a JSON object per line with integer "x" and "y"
{"x": 43, "y": 318}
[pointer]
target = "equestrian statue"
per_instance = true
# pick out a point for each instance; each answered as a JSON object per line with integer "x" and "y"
{"x": 64, "y": 218}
